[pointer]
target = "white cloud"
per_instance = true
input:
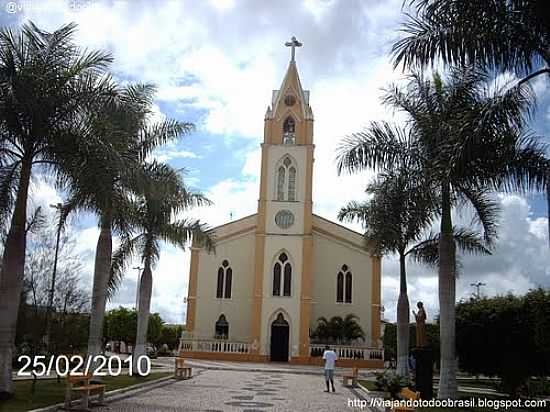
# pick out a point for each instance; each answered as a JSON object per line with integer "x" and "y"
{"x": 162, "y": 155}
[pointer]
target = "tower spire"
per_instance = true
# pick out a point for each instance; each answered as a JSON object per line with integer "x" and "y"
{"x": 293, "y": 43}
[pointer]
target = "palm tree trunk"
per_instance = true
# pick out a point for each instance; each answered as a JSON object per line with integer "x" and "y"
{"x": 11, "y": 280}
{"x": 145, "y": 290}
{"x": 447, "y": 285}
{"x": 403, "y": 322}
{"x": 102, "y": 270}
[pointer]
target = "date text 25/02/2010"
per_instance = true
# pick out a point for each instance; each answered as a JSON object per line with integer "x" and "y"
{"x": 99, "y": 365}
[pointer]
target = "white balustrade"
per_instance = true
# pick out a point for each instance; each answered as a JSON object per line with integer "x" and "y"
{"x": 220, "y": 346}
{"x": 348, "y": 352}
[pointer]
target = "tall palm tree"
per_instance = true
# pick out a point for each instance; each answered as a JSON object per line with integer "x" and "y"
{"x": 46, "y": 83}
{"x": 499, "y": 35}
{"x": 153, "y": 217}
{"x": 396, "y": 218}
{"x": 103, "y": 187}
{"x": 469, "y": 139}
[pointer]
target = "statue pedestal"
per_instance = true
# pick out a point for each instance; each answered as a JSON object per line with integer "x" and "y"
{"x": 424, "y": 372}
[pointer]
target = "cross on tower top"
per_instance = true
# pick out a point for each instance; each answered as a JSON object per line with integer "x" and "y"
{"x": 293, "y": 43}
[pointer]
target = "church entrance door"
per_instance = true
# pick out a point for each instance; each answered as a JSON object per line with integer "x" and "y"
{"x": 279, "y": 339}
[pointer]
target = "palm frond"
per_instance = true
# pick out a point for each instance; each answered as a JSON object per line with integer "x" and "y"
{"x": 467, "y": 242}
{"x": 9, "y": 176}
{"x": 504, "y": 35}
{"x": 127, "y": 250}
{"x": 486, "y": 208}
{"x": 379, "y": 145}
{"x": 161, "y": 132}
{"x": 182, "y": 232}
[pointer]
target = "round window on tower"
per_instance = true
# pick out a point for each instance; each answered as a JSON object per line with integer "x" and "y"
{"x": 284, "y": 219}
{"x": 290, "y": 100}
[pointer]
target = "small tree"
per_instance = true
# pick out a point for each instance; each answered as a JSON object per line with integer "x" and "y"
{"x": 170, "y": 335}
{"x": 338, "y": 329}
{"x": 154, "y": 329}
{"x": 120, "y": 325}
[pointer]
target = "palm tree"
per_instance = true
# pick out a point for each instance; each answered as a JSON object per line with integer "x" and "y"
{"x": 351, "y": 330}
{"x": 103, "y": 188}
{"x": 468, "y": 138}
{"x": 46, "y": 83}
{"x": 339, "y": 329}
{"x": 499, "y": 35}
{"x": 401, "y": 209}
{"x": 162, "y": 195}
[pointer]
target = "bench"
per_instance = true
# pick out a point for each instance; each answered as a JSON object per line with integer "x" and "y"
{"x": 182, "y": 371}
{"x": 406, "y": 394}
{"x": 351, "y": 376}
{"x": 80, "y": 386}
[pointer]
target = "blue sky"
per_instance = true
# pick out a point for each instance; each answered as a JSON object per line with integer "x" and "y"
{"x": 215, "y": 63}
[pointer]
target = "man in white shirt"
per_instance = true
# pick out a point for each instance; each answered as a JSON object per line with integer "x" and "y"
{"x": 330, "y": 359}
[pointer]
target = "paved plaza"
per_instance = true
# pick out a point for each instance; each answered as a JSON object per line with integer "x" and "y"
{"x": 234, "y": 390}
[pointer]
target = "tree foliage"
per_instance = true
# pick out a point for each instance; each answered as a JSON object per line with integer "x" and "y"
{"x": 120, "y": 325}
{"x": 505, "y": 336}
{"x": 338, "y": 330}
{"x": 500, "y": 34}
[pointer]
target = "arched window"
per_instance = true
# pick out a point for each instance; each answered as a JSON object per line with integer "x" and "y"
{"x": 348, "y": 287}
{"x": 287, "y": 280}
{"x": 277, "y": 279}
{"x": 289, "y": 131}
{"x": 292, "y": 184}
{"x": 219, "y": 289}
{"x": 222, "y": 328}
{"x": 286, "y": 180}
{"x": 225, "y": 279}
{"x": 228, "y": 280}
{"x": 281, "y": 183}
{"x": 340, "y": 287}
{"x": 344, "y": 285}
{"x": 282, "y": 267}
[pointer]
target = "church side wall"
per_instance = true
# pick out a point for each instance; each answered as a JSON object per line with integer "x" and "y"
{"x": 238, "y": 252}
{"x": 328, "y": 257}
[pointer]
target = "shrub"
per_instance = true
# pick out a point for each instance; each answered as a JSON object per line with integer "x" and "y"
{"x": 389, "y": 382}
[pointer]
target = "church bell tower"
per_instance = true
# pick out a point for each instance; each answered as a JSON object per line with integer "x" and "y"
{"x": 284, "y": 225}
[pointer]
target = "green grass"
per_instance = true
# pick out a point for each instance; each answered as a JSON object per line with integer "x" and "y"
{"x": 369, "y": 385}
{"x": 478, "y": 383}
{"x": 49, "y": 392}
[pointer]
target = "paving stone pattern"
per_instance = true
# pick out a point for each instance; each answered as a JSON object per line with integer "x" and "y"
{"x": 225, "y": 390}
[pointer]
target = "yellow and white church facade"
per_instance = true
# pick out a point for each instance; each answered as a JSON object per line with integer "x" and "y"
{"x": 274, "y": 273}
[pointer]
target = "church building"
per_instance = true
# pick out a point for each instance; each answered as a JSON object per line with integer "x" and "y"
{"x": 276, "y": 272}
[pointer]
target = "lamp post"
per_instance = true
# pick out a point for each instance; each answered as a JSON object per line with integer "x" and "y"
{"x": 477, "y": 286}
{"x": 139, "y": 269}
{"x": 58, "y": 207}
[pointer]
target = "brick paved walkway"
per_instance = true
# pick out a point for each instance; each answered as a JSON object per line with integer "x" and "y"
{"x": 224, "y": 390}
